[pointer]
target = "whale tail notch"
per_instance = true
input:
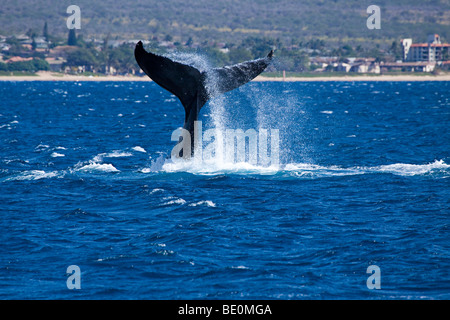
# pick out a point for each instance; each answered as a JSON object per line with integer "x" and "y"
{"x": 189, "y": 84}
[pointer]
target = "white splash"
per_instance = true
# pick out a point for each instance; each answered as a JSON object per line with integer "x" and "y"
{"x": 94, "y": 166}
{"x": 304, "y": 170}
{"x": 214, "y": 167}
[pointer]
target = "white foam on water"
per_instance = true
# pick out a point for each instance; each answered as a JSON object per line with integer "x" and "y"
{"x": 156, "y": 190}
{"x": 405, "y": 169}
{"x": 176, "y": 201}
{"x": 118, "y": 154}
{"x": 34, "y": 175}
{"x": 139, "y": 149}
{"x": 401, "y": 169}
{"x": 207, "y": 203}
{"x": 173, "y": 200}
{"x": 312, "y": 170}
{"x": 56, "y": 155}
{"x": 42, "y": 146}
{"x": 305, "y": 170}
{"x": 113, "y": 154}
{"x": 95, "y": 166}
{"x": 214, "y": 167}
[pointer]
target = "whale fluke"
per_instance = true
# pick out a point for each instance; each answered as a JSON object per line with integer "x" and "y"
{"x": 231, "y": 77}
{"x": 179, "y": 79}
{"x": 193, "y": 87}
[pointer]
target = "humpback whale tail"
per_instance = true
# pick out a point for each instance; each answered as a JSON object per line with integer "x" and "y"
{"x": 191, "y": 85}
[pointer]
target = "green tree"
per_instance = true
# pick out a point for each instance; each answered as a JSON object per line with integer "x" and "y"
{"x": 396, "y": 50}
{"x": 45, "y": 31}
{"x": 122, "y": 59}
{"x": 72, "y": 38}
{"x": 239, "y": 55}
{"x": 83, "y": 57}
{"x": 16, "y": 49}
{"x": 29, "y": 66}
{"x": 217, "y": 57}
{"x": 40, "y": 64}
{"x": 31, "y": 33}
{"x": 3, "y": 66}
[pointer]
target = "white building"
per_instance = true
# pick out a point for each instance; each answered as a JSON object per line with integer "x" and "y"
{"x": 414, "y": 66}
{"x": 431, "y": 51}
{"x": 343, "y": 67}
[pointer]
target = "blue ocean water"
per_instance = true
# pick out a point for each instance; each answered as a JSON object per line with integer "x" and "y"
{"x": 363, "y": 180}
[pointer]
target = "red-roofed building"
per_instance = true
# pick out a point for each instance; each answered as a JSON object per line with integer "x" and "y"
{"x": 431, "y": 51}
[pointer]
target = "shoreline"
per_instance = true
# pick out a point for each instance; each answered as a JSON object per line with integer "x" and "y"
{"x": 51, "y": 76}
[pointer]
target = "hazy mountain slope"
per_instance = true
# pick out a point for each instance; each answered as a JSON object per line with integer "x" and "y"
{"x": 232, "y": 20}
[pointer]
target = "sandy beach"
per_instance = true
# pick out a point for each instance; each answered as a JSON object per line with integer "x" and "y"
{"x": 51, "y": 76}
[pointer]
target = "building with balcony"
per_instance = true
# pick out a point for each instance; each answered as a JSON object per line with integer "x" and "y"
{"x": 432, "y": 51}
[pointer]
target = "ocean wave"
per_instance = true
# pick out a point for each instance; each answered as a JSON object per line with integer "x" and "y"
{"x": 139, "y": 149}
{"x": 207, "y": 203}
{"x": 34, "y": 175}
{"x": 95, "y": 166}
{"x": 305, "y": 170}
{"x": 438, "y": 168}
{"x": 113, "y": 154}
{"x": 117, "y": 154}
{"x": 413, "y": 169}
{"x": 156, "y": 190}
{"x": 173, "y": 200}
{"x": 401, "y": 169}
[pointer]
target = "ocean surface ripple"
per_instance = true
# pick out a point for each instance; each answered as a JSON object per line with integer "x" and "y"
{"x": 363, "y": 179}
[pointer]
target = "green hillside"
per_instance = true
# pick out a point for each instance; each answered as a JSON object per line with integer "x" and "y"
{"x": 230, "y": 21}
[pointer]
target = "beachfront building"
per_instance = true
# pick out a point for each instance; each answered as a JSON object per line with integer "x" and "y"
{"x": 413, "y": 66}
{"x": 432, "y": 51}
{"x": 365, "y": 65}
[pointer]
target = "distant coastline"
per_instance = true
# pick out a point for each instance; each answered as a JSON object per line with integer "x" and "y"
{"x": 52, "y": 76}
